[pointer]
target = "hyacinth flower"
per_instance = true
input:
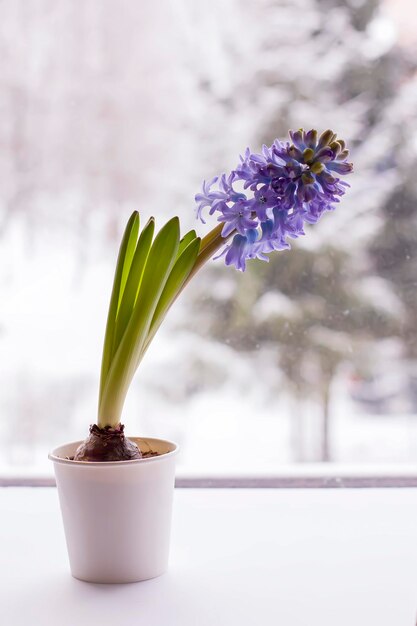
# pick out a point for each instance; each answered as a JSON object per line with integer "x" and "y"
{"x": 286, "y": 185}
{"x": 261, "y": 204}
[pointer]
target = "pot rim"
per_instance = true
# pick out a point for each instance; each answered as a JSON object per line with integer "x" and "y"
{"x": 52, "y": 456}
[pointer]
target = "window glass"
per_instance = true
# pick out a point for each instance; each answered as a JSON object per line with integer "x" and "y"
{"x": 110, "y": 107}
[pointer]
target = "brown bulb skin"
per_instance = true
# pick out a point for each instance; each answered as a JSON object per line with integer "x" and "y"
{"x": 107, "y": 444}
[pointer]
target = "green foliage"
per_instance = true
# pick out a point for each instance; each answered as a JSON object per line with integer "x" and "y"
{"x": 173, "y": 286}
{"x": 188, "y": 238}
{"x": 124, "y": 260}
{"x": 149, "y": 269}
{"x": 149, "y": 277}
{"x": 133, "y": 282}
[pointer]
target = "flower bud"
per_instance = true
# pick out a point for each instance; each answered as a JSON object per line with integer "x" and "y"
{"x": 311, "y": 138}
{"x": 326, "y": 138}
{"x": 294, "y": 153}
{"x": 317, "y": 167}
{"x": 308, "y": 178}
{"x": 297, "y": 137}
{"x": 335, "y": 146}
{"x": 308, "y": 155}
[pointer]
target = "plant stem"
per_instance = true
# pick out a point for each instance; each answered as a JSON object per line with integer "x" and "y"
{"x": 209, "y": 245}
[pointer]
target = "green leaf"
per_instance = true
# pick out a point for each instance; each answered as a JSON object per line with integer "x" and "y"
{"x": 130, "y": 251}
{"x": 133, "y": 282}
{"x": 188, "y": 238}
{"x": 158, "y": 267}
{"x": 179, "y": 274}
{"x": 124, "y": 260}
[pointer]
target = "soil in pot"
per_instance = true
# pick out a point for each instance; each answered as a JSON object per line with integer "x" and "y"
{"x": 109, "y": 444}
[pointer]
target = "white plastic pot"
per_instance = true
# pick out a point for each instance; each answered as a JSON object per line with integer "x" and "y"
{"x": 117, "y": 515}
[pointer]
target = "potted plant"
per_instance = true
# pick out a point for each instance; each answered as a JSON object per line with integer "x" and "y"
{"x": 116, "y": 492}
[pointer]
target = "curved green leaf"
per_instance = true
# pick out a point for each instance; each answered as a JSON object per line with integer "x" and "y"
{"x": 179, "y": 274}
{"x": 188, "y": 238}
{"x": 124, "y": 260}
{"x": 133, "y": 282}
{"x": 158, "y": 267}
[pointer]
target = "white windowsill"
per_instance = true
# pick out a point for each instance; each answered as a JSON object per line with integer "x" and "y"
{"x": 308, "y": 475}
{"x": 239, "y": 557}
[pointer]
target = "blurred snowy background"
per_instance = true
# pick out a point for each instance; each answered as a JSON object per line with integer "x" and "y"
{"x": 109, "y": 107}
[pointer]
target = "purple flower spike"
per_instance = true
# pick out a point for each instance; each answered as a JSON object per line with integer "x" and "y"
{"x": 290, "y": 184}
